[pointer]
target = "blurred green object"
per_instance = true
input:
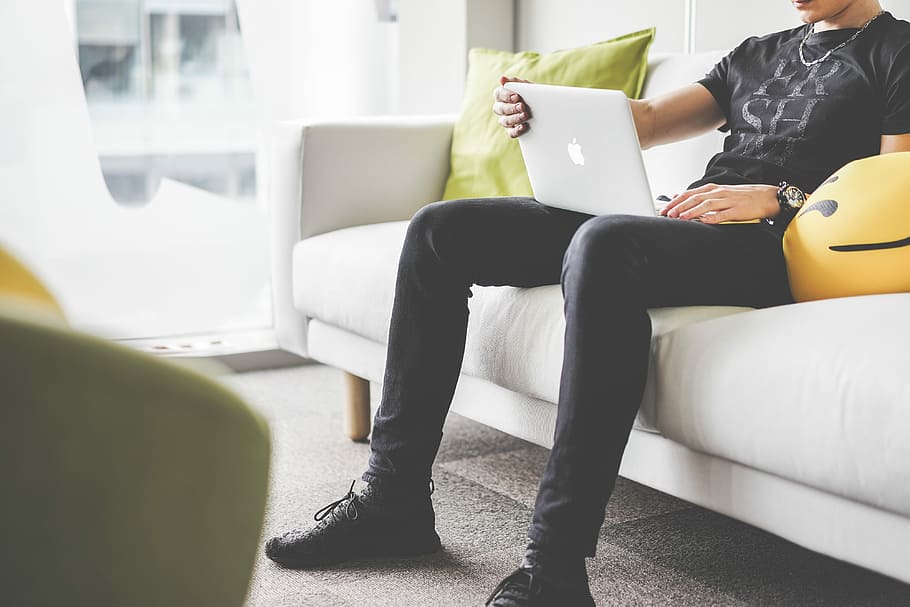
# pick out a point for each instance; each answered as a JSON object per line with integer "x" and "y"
{"x": 127, "y": 480}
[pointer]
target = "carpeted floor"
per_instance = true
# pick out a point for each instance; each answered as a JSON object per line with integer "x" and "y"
{"x": 653, "y": 549}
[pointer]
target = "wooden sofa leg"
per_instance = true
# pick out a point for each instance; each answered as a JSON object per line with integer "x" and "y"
{"x": 356, "y": 407}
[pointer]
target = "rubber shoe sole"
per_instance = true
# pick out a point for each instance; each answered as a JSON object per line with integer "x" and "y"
{"x": 365, "y": 548}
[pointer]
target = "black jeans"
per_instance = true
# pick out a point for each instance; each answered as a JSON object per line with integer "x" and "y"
{"x": 612, "y": 269}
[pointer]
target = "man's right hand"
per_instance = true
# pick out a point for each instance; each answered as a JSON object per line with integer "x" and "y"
{"x": 512, "y": 110}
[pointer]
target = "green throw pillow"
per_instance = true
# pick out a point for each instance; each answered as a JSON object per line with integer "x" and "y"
{"x": 485, "y": 161}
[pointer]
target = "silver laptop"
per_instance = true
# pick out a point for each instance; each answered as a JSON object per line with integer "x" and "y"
{"x": 582, "y": 151}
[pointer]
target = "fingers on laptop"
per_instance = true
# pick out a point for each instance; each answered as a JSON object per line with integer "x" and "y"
{"x": 511, "y": 109}
{"x": 517, "y": 131}
{"x": 515, "y": 124}
{"x": 514, "y": 117}
{"x": 683, "y": 202}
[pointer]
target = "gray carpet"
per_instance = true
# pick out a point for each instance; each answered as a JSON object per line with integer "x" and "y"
{"x": 653, "y": 549}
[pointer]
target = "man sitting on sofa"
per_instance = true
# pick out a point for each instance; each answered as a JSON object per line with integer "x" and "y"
{"x": 799, "y": 104}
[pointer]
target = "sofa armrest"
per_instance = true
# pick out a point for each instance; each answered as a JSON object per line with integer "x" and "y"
{"x": 332, "y": 175}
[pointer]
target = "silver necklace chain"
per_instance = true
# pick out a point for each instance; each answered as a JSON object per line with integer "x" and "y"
{"x": 802, "y": 44}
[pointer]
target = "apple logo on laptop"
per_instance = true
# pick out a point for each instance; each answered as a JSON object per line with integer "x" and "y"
{"x": 575, "y": 153}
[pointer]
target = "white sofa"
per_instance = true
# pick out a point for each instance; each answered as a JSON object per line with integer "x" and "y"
{"x": 794, "y": 419}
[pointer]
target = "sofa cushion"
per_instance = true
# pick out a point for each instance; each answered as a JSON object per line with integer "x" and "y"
{"x": 515, "y": 340}
{"x": 817, "y": 392}
{"x": 346, "y": 278}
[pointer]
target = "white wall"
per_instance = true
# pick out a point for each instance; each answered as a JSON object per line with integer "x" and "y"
{"x": 725, "y": 23}
{"x": 900, "y": 8}
{"x": 722, "y": 24}
{"x": 546, "y": 25}
{"x": 310, "y": 58}
{"x": 434, "y": 37}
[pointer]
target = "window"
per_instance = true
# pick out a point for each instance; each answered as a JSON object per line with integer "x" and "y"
{"x": 165, "y": 80}
{"x": 168, "y": 238}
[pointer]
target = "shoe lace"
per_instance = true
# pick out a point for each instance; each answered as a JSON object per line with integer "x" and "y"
{"x": 519, "y": 585}
{"x": 344, "y": 508}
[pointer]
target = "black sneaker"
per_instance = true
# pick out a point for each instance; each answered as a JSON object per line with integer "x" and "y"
{"x": 526, "y": 587}
{"x": 370, "y": 524}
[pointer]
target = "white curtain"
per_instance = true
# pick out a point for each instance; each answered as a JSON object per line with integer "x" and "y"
{"x": 188, "y": 262}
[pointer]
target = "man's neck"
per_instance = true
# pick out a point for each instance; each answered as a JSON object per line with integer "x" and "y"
{"x": 856, "y": 14}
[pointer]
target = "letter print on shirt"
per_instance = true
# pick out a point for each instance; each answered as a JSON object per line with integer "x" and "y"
{"x": 780, "y": 110}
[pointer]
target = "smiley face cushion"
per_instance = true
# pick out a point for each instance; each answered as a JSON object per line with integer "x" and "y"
{"x": 852, "y": 236}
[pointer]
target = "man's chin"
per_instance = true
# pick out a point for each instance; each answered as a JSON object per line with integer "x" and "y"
{"x": 807, "y": 16}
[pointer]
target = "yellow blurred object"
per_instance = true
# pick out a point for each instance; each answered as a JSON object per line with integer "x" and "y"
{"x": 18, "y": 283}
{"x": 852, "y": 237}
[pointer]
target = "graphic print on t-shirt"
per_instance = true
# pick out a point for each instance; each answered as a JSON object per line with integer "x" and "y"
{"x": 781, "y": 108}
{"x": 796, "y": 123}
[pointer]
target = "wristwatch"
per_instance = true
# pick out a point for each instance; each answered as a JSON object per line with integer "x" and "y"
{"x": 789, "y": 197}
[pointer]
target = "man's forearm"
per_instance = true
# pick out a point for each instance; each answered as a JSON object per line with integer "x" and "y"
{"x": 680, "y": 114}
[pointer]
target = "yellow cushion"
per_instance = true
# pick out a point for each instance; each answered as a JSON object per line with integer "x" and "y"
{"x": 852, "y": 236}
{"x": 485, "y": 161}
{"x": 19, "y": 284}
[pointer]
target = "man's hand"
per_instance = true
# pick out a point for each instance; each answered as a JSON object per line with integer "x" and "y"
{"x": 513, "y": 112}
{"x": 719, "y": 203}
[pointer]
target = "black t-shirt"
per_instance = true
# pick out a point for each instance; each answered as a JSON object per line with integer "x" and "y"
{"x": 799, "y": 124}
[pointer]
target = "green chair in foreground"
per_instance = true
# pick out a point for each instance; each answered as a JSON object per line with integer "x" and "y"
{"x": 126, "y": 480}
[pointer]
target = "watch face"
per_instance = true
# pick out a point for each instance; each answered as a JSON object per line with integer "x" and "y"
{"x": 794, "y": 197}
